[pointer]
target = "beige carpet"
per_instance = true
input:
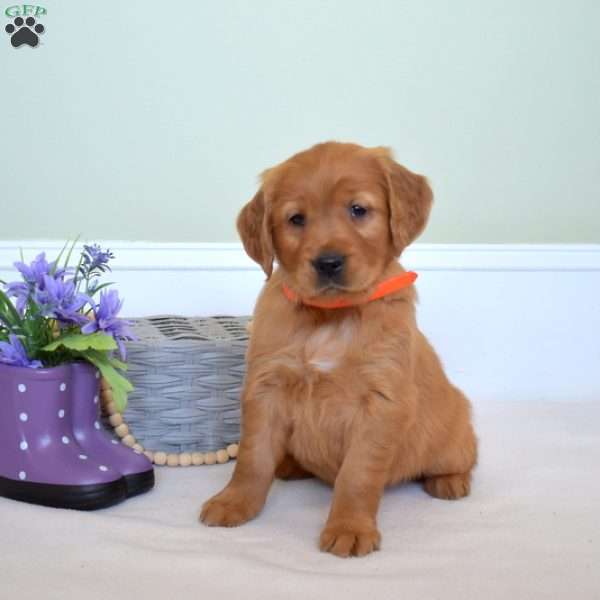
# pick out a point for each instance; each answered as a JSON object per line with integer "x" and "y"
{"x": 530, "y": 529}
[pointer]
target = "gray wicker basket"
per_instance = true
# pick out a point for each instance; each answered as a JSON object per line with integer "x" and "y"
{"x": 187, "y": 374}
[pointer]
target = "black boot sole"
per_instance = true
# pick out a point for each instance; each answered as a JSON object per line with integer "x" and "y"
{"x": 139, "y": 483}
{"x": 76, "y": 497}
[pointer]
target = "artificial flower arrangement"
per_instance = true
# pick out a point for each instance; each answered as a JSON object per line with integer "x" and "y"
{"x": 59, "y": 314}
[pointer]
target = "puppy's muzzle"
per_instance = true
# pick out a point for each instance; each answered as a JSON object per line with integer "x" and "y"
{"x": 329, "y": 267}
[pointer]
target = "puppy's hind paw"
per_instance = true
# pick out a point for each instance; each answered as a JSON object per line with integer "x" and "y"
{"x": 448, "y": 487}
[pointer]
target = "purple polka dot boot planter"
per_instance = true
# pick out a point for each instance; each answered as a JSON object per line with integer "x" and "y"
{"x": 41, "y": 461}
{"x": 135, "y": 467}
{"x": 59, "y": 330}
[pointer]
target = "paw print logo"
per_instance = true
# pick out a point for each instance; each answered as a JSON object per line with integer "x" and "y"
{"x": 24, "y": 32}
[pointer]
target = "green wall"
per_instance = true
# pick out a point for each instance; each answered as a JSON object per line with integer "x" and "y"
{"x": 140, "y": 120}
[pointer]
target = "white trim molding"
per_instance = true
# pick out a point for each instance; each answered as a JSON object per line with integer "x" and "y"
{"x": 510, "y": 322}
{"x": 173, "y": 256}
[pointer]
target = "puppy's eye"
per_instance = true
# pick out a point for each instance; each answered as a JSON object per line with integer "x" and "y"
{"x": 297, "y": 220}
{"x": 356, "y": 210}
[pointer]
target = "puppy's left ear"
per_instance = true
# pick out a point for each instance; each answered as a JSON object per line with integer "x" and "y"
{"x": 410, "y": 199}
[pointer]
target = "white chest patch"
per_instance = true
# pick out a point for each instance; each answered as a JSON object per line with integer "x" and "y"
{"x": 327, "y": 345}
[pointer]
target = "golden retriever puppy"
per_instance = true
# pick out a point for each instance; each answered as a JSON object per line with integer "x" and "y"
{"x": 340, "y": 382}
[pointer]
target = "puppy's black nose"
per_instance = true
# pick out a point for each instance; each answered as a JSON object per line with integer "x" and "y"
{"x": 329, "y": 266}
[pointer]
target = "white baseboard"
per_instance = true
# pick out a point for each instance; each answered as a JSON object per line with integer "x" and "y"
{"x": 509, "y": 321}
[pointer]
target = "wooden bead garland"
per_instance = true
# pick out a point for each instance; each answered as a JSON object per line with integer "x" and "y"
{"x": 115, "y": 419}
{"x": 184, "y": 459}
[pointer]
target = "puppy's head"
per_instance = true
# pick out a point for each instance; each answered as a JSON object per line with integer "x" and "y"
{"x": 334, "y": 217}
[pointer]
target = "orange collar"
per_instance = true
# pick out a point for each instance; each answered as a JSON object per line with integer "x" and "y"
{"x": 385, "y": 288}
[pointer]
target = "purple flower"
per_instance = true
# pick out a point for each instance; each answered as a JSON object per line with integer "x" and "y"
{"x": 94, "y": 260}
{"x": 106, "y": 320}
{"x": 59, "y": 300}
{"x": 13, "y": 353}
{"x": 20, "y": 291}
{"x": 33, "y": 278}
{"x": 40, "y": 267}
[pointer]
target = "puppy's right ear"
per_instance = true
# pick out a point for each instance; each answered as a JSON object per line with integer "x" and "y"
{"x": 255, "y": 231}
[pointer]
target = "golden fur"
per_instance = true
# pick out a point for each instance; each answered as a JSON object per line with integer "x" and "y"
{"x": 355, "y": 396}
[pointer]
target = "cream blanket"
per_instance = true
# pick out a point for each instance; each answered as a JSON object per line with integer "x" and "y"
{"x": 530, "y": 529}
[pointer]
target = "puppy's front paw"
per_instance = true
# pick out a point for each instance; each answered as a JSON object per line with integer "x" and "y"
{"x": 227, "y": 509}
{"x": 344, "y": 539}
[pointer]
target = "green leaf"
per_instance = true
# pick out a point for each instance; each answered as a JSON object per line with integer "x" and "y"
{"x": 67, "y": 260}
{"x": 81, "y": 342}
{"x": 53, "y": 270}
{"x": 8, "y": 312}
{"x": 77, "y": 273}
{"x": 117, "y": 364}
{"x": 119, "y": 384}
{"x": 100, "y": 287}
